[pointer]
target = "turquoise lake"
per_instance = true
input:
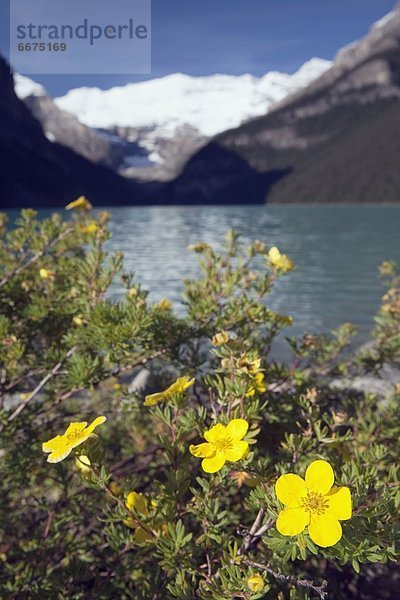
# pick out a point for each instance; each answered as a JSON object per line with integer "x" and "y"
{"x": 337, "y": 250}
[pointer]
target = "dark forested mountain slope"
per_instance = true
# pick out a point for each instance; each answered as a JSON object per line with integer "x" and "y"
{"x": 336, "y": 141}
{"x": 37, "y": 172}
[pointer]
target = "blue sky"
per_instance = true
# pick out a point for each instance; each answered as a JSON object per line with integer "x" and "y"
{"x": 234, "y": 36}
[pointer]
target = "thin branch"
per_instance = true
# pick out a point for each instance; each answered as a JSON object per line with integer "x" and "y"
{"x": 40, "y": 385}
{"x": 255, "y": 532}
{"x": 48, "y": 524}
{"x": 320, "y": 589}
{"x": 34, "y": 258}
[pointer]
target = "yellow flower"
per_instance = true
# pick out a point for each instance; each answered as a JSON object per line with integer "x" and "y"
{"x": 137, "y": 503}
{"x": 248, "y": 365}
{"x": 61, "y": 446}
{"x": 258, "y": 385}
{"x": 165, "y": 304}
{"x": 255, "y": 583}
{"x": 80, "y": 203}
{"x": 90, "y": 228}
{"x": 115, "y": 488}
{"x": 281, "y": 319}
{"x": 279, "y": 261}
{"x": 313, "y": 503}
{"x": 132, "y": 292}
{"x": 221, "y": 338}
{"x": 25, "y": 395}
{"x": 46, "y": 274}
{"x": 77, "y": 320}
{"x": 223, "y": 444}
{"x": 178, "y": 387}
{"x": 83, "y": 464}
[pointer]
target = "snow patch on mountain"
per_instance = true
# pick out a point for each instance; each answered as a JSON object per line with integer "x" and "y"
{"x": 208, "y": 104}
{"x": 25, "y": 87}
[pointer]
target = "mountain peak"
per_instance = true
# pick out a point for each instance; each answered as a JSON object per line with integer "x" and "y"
{"x": 387, "y": 19}
{"x": 208, "y": 104}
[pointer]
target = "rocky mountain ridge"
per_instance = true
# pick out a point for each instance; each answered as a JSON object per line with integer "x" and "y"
{"x": 338, "y": 140}
{"x": 150, "y": 129}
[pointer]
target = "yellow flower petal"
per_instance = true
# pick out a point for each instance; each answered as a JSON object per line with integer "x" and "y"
{"x": 52, "y": 444}
{"x": 80, "y": 440}
{"x": 75, "y": 429}
{"x": 59, "y": 454}
{"x": 129, "y": 522}
{"x": 215, "y": 433}
{"x": 94, "y": 424}
{"x": 290, "y": 489}
{"x": 152, "y": 399}
{"x": 292, "y": 521}
{"x": 237, "y": 429}
{"x": 180, "y": 385}
{"x": 141, "y": 536}
{"x": 255, "y": 583}
{"x": 340, "y": 502}
{"x": 221, "y": 338}
{"x": 136, "y": 501}
{"x": 83, "y": 463}
{"x": 258, "y": 384}
{"x": 237, "y": 452}
{"x": 274, "y": 254}
{"x": 325, "y": 530}
{"x": 80, "y": 203}
{"x": 214, "y": 464}
{"x": 165, "y": 304}
{"x": 278, "y": 260}
{"x": 90, "y": 228}
{"x": 46, "y": 274}
{"x": 204, "y": 450}
{"x": 319, "y": 477}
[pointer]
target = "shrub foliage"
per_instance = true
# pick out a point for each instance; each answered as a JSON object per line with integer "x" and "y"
{"x": 130, "y": 512}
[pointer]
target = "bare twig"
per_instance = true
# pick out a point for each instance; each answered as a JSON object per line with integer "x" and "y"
{"x": 48, "y": 524}
{"x": 40, "y": 385}
{"x": 256, "y": 531}
{"x": 34, "y": 258}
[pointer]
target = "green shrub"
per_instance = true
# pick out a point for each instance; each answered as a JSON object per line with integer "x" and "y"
{"x": 175, "y": 495}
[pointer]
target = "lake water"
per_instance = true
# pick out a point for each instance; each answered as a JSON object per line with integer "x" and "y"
{"x": 337, "y": 250}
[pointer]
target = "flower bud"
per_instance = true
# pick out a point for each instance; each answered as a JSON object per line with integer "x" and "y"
{"x": 255, "y": 583}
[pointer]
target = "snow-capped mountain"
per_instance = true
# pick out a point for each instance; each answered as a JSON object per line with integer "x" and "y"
{"x": 207, "y": 104}
{"x": 149, "y": 129}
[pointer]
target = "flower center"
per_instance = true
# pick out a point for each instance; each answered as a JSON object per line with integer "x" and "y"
{"x": 75, "y": 434}
{"x": 223, "y": 444}
{"x": 315, "y": 503}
